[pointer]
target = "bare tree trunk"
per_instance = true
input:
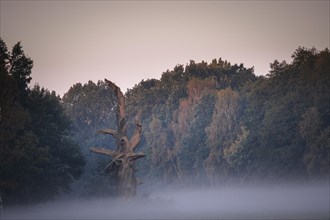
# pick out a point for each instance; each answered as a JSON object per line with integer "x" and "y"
{"x": 123, "y": 159}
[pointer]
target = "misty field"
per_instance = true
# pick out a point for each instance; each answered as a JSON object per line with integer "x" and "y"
{"x": 281, "y": 201}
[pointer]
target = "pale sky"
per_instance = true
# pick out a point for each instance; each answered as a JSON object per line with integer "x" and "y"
{"x": 127, "y": 41}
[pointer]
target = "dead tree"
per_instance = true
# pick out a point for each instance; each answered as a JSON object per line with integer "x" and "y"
{"x": 123, "y": 159}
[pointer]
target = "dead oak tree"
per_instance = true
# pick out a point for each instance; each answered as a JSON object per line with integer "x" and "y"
{"x": 123, "y": 159}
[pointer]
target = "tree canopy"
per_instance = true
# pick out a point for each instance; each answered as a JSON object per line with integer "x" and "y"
{"x": 38, "y": 159}
{"x": 219, "y": 121}
{"x": 203, "y": 123}
{"x": 209, "y": 123}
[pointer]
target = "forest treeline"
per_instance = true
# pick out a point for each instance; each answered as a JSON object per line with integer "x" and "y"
{"x": 38, "y": 158}
{"x": 203, "y": 123}
{"x": 210, "y": 123}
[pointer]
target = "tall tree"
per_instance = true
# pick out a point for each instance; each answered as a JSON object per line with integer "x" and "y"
{"x": 123, "y": 162}
{"x": 91, "y": 107}
{"x": 317, "y": 142}
{"x": 37, "y": 158}
{"x": 190, "y": 120}
{"x": 161, "y": 156}
{"x": 287, "y": 118}
{"x": 222, "y": 132}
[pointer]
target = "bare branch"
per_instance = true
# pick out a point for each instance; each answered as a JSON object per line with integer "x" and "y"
{"x": 135, "y": 156}
{"x": 108, "y": 131}
{"x": 104, "y": 151}
{"x": 113, "y": 161}
{"x": 121, "y": 115}
{"x": 136, "y": 137}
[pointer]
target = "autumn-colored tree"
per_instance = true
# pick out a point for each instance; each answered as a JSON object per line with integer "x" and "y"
{"x": 222, "y": 134}
{"x": 162, "y": 153}
{"x": 193, "y": 115}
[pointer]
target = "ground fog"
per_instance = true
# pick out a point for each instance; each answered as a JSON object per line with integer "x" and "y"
{"x": 282, "y": 201}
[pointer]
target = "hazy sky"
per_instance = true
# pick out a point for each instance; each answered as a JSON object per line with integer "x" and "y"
{"x": 127, "y": 41}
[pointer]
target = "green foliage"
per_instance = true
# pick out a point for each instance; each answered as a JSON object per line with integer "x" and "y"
{"x": 285, "y": 115}
{"x": 175, "y": 112}
{"x": 222, "y": 133}
{"x": 92, "y": 107}
{"x": 202, "y": 123}
{"x": 194, "y": 114}
{"x": 160, "y": 158}
{"x": 317, "y": 142}
{"x": 21, "y": 67}
{"x": 219, "y": 120}
{"x": 37, "y": 158}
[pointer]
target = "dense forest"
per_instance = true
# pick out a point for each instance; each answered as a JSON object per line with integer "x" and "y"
{"x": 203, "y": 124}
{"x": 38, "y": 158}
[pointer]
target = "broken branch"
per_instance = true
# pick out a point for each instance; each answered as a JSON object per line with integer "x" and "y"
{"x": 104, "y": 151}
{"x": 108, "y": 131}
{"x": 135, "y": 156}
{"x": 136, "y": 137}
{"x": 114, "y": 160}
{"x": 121, "y": 115}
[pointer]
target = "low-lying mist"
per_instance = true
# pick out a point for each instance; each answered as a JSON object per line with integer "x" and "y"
{"x": 280, "y": 201}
